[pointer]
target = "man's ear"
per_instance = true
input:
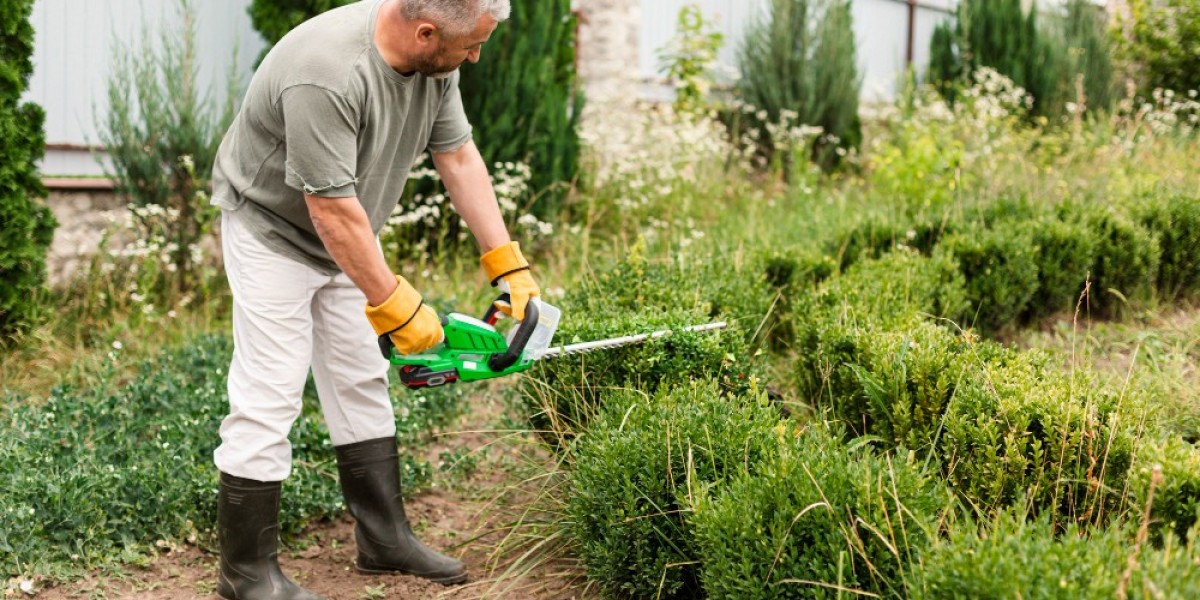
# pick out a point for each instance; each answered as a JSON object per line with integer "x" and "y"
{"x": 426, "y": 33}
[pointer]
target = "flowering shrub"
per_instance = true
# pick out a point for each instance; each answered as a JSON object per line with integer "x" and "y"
{"x": 654, "y": 160}
{"x": 150, "y": 264}
{"x": 930, "y": 152}
{"x": 424, "y": 220}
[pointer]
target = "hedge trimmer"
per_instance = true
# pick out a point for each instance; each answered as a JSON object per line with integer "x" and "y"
{"x": 474, "y": 350}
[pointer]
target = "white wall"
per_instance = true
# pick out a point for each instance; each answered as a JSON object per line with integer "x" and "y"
{"x": 74, "y": 51}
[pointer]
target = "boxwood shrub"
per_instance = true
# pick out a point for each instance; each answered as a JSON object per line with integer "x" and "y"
{"x": 637, "y": 467}
{"x": 1175, "y": 221}
{"x": 563, "y": 394}
{"x": 1000, "y": 269}
{"x": 1021, "y": 430}
{"x": 877, "y": 235}
{"x": 1177, "y": 496}
{"x": 902, "y": 382}
{"x": 1013, "y": 557}
{"x": 1065, "y": 252}
{"x": 819, "y": 520}
{"x": 1127, "y": 257}
{"x": 834, "y": 323}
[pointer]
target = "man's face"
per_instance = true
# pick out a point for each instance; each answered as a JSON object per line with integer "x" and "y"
{"x": 452, "y": 51}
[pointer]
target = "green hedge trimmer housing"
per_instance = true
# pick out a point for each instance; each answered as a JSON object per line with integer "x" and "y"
{"x": 473, "y": 350}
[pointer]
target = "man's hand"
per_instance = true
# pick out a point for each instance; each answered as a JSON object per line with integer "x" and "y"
{"x": 508, "y": 270}
{"x": 412, "y": 326}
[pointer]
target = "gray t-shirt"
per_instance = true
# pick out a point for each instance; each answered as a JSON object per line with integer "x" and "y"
{"x": 326, "y": 116}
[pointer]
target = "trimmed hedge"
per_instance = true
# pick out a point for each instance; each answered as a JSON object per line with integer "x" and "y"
{"x": 1127, "y": 257}
{"x": 1014, "y": 558}
{"x": 637, "y": 469}
{"x": 1065, "y": 253}
{"x": 818, "y": 517}
{"x": 638, "y": 297}
{"x": 1176, "y": 222}
{"x": 1001, "y": 273}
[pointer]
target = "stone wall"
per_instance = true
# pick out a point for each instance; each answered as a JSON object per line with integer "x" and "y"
{"x": 83, "y": 217}
{"x": 608, "y": 50}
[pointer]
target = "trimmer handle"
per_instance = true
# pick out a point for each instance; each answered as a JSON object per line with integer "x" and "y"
{"x": 500, "y": 362}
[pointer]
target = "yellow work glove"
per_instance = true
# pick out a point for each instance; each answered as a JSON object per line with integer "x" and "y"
{"x": 404, "y": 318}
{"x": 508, "y": 271}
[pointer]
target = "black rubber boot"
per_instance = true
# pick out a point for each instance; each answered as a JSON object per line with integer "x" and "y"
{"x": 370, "y": 476}
{"x": 248, "y": 526}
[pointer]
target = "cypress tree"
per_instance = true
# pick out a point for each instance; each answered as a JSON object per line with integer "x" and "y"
{"x": 801, "y": 57}
{"x": 998, "y": 34}
{"x": 26, "y": 225}
{"x": 522, "y": 98}
{"x": 1090, "y": 53}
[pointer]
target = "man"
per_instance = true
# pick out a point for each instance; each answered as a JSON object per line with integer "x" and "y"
{"x": 307, "y": 175}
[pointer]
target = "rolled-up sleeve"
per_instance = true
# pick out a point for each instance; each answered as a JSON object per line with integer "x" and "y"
{"x": 322, "y": 141}
{"x": 450, "y": 126}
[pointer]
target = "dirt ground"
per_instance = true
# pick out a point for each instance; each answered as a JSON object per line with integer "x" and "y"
{"x": 458, "y": 517}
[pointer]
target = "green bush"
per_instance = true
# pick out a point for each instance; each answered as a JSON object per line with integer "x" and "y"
{"x": 161, "y": 131}
{"x": 878, "y": 235}
{"x": 26, "y": 225}
{"x": 1065, "y": 253}
{"x": 1001, "y": 272}
{"x": 1176, "y": 223}
{"x": 98, "y": 472}
{"x": 1176, "y": 505}
{"x": 794, "y": 275}
{"x": 834, "y": 325}
{"x": 564, "y": 394}
{"x": 819, "y": 520}
{"x": 801, "y": 58}
{"x": 1019, "y": 430}
{"x": 1161, "y": 44}
{"x": 1040, "y": 560}
{"x": 903, "y": 381}
{"x": 529, "y": 63}
{"x": 1127, "y": 258}
{"x": 636, "y": 296}
{"x": 638, "y": 468}
{"x": 274, "y": 18}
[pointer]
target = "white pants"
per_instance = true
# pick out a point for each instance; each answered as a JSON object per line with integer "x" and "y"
{"x": 286, "y": 317}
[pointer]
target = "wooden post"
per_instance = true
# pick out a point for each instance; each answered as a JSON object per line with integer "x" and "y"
{"x": 912, "y": 32}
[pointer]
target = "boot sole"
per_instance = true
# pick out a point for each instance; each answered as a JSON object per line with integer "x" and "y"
{"x": 448, "y": 580}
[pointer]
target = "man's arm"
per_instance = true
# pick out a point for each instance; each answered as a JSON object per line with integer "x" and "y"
{"x": 466, "y": 178}
{"x": 343, "y": 227}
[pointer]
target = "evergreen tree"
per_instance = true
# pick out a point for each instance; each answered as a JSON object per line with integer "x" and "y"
{"x": 522, "y": 98}
{"x": 802, "y": 57}
{"x": 26, "y": 225}
{"x": 1090, "y": 53}
{"x": 998, "y": 34}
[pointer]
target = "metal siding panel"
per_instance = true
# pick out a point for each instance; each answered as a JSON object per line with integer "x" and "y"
{"x": 881, "y": 31}
{"x": 74, "y": 56}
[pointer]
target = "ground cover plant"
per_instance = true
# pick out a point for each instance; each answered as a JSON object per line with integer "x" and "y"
{"x": 102, "y": 470}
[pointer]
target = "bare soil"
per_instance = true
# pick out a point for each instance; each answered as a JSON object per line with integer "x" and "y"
{"x": 458, "y": 517}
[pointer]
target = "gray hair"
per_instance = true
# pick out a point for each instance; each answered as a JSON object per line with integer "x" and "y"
{"x": 457, "y": 17}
